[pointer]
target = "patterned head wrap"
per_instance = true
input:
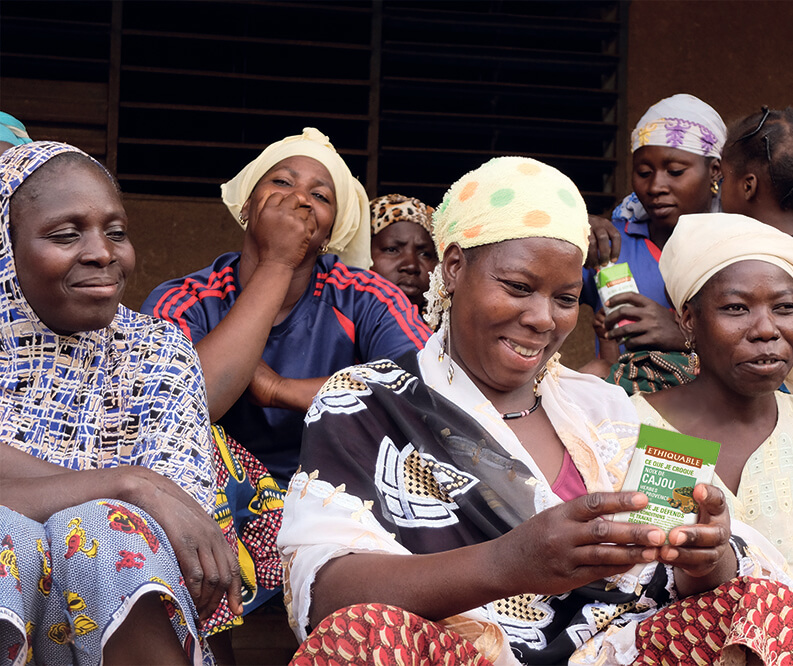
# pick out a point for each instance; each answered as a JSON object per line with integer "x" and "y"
{"x": 504, "y": 199}
{"x": 12, "y": 131}
{"x": 131, "y": 393}
{"x": 681, "y": 121}
{"x": 398, "y": 208}
{"x": 703, "y": 244}
{"x": 16, "y": 164}
{"x": 350, "y": 237}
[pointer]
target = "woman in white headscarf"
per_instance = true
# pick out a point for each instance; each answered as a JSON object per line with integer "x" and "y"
{"x": 676, "y": 148}
{"x": 298, "y": 287}
{"x": 272, "y": 322}
{"x": 731, "y": 280}
{"x": 450, "y": 505}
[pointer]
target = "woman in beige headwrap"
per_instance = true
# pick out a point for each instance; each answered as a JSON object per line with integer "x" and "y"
{"x": 465, "y": 486}
{"x": 272, "y": 322}
{"x": 731, "y": 280}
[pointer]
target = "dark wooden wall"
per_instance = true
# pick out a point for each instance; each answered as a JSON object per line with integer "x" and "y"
{"x": 736, "y": 55}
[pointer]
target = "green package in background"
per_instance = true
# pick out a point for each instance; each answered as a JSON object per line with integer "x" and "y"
{"x": 666, "y": 466}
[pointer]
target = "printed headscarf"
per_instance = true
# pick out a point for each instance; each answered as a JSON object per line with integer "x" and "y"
{"x": 350, "y": 236}
{"x": 12, "y": 130}
{"x": 398, "y": 208}
{"x": 681, "y": 121}
{"x": 128, "y": 394}
{"x": 504, "y": 199}
{"x": 703, "y": 244}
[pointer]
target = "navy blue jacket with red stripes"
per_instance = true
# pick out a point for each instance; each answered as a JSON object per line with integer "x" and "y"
{"x": 346, "y": 316}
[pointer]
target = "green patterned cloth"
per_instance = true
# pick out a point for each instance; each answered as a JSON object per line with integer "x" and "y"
{"x": 650, "y": 371}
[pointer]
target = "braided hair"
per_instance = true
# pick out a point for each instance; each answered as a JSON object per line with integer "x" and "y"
{"x": 763, "y": 142}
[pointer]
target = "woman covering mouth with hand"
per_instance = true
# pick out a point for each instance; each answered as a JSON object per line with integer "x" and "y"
{"x": 731, "y": 280}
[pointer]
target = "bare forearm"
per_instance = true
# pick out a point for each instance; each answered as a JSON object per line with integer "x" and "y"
{"x": 553, "y": 552}
{"x": 39, "y": 498}
{"x": 268, "y": 389}
{"x": 231, "y": 351}
{"x": 433, "y": 586}
{"x": 16, "y": 464}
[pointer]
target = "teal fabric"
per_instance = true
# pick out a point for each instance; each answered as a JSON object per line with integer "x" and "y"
{"x": 12, "y": 131}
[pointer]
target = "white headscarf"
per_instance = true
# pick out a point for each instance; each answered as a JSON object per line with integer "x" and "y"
{"x": 703, "y": 244}
{"x": 350, "y": 237}
{"x": 681, "y": 121}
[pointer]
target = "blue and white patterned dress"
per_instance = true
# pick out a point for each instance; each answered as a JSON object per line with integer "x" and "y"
{"x": 129, "y": 394}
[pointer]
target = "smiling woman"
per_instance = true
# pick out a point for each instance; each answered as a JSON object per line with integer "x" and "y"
{"x": 72, "y": 260}
{"x": 477, "y": 472}
{"x": 106, "y": 408}
{"x": 731, "y": 280}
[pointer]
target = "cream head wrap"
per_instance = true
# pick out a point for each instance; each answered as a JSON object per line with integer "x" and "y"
{"x": 350, "y": 235}
{"x": 504, "y": 199}
{"x": 703, "y": 244}
{"x": 684, "y": 122}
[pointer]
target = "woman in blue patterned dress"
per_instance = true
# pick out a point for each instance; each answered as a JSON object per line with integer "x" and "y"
{"x": 108, "y": 553}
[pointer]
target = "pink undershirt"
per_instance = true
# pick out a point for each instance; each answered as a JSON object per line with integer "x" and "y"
{"x": 569, "y": 484}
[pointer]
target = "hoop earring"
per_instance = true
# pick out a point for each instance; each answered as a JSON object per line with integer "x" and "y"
{"x": 714, "y": 187}
{"x": 243, "y": 220}
{"x": 693, "y": 358}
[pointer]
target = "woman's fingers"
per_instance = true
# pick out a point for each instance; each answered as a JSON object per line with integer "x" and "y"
{"x": 234, "y": 589}
{"x": 590, "y": 509}
{"x": 712, "y": 505}
{"x": 613, "y": 555}
{"x": 604, "y": 242}
{"x": 208, "y": 564}
{"x": 595, "y": 505}
{"x": 192, "y": 570}
{"x": 713, "y": 528}
{"x": 211, "y": 592}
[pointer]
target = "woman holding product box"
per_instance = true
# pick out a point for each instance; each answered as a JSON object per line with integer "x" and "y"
{"x": 476, "y": 473}
{"x": 676, "y": 148}
{"x": 731, "y": 280}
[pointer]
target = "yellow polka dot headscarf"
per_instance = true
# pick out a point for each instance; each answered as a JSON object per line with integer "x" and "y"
{"x": 507, "y": 198}
{"x": 504, "y": 199}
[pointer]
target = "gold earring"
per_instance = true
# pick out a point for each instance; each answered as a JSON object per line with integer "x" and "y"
{"x": 714, "y": 187}
{"x": 693, "y": 358}
{"x": 243, "y": 220}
